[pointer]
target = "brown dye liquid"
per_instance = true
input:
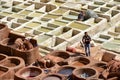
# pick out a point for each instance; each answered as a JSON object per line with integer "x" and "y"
{"x": 99, "y": 69}
{"x": 52, "y": 78}
{"x": 77, "y": 63}
{"x": 9, "y": 64}
{"x": 2, "y": 72}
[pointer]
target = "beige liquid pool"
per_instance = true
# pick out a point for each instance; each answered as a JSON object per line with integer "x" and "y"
{"x": 23, "y": 6}
{"x": 42, "y": 38}
{"x": 74, "y": 17}
{"x": 44, "y": 29}
{"x": 60, "y": 11}
{"x": 58, "y": 3}
{"x": 33, "y": 24}
{"x": 23, "y": 30}
{"x": 18, "y": 16}
{"x": 5, "y": 13}
{"x": 78, "y": 26}
{"x": 25, "y": 12}
{"x": 36, "y": 14}
{"x": 51, "y": 16}
{"x": 59, "y": 23}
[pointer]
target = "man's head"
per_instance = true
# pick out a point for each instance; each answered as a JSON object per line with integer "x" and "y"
{"x": 86, "y": 33}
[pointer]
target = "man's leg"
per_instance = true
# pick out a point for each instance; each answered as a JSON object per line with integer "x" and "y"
{"x": 86, "y": 50}
{"x": 88, "y": 47}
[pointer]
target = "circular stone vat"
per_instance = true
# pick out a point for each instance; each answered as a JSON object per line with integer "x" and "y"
{"x": 61, "y": 54}
{"x": 14, "y": 62}
{"x": 6, "y": 73}
{"x": 3, "y": 70}
{"x": 114, "y": 74}
{"x": 32, "y": 73}
{"x": 53, "y": 77}
{"x": 84, "y": 73}
{"x": 62, "y": 63}
{"x": 4, "y": 31}
{"x": 66, "y": 70}
{"x": 80, "y": 61}
{"x": 100, "y": 67}
{"x": 2, "y": 58}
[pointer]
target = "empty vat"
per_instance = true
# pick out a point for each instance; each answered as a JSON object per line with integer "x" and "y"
{"x": 79, "y": 26}
{"x": 33, "y": 73}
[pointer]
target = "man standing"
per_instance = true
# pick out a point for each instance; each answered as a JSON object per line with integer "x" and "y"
{"x": 86, "y": 41}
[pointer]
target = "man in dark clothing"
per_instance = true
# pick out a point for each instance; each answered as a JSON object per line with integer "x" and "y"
{"x": 81, "y": 16}
{"x": 86, "y": 41}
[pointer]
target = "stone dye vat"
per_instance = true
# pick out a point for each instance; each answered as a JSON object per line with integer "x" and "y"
{"x": 66, "y": 71}
{"x": 29, "y": 55}
{"x": 58, "y": 56}
{"x": 79, "y": 62}
{"x": 28, "y": 73}
{"x": 44, "y": 29}
{"x": 100, "y": 66}
{"x": 84, "y": 73}
{"x": 79, "y": 26}
{"x": 52, "y": 77}
{"x": 61, "y": 23}
{"x": 69, "y": 34}
{"x": 14, "y": 63}
{"x": 60, "y": 11}
{"x": 35, "y": 14}
{"x": 41, "y": 38}
{"x": 60, "y": 31}
{"x": 4, "y": 31}
{"x": 72, "y": 15}
{"x": 23, "y": 29}
{"x": 53, "y": 16}
{"x": 6, "y": 73}
{"x": 25, "y": 12}
{"x": 3, "y": 57}
{"x": 62, "y": 63}
{"x": 33, "y": 25}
